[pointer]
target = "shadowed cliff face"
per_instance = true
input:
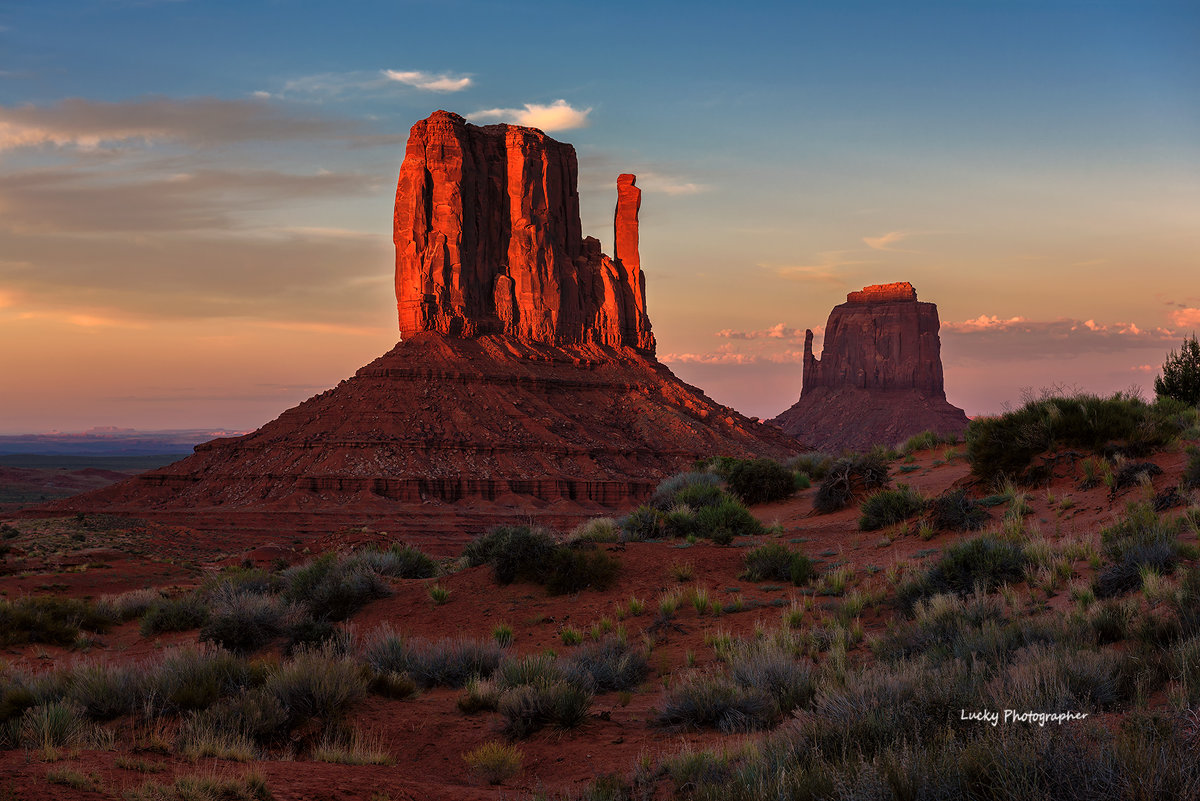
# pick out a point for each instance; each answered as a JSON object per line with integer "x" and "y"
{"x": 488, "y": 241}
{"x": 879, "y": 379}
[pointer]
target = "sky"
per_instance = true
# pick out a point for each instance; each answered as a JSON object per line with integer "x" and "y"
{"x": 196, "y": 195}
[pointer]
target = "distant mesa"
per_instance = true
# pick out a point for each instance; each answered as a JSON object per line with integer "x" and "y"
{"x": 525, "y": 385}
{"x": 879, "y": 379}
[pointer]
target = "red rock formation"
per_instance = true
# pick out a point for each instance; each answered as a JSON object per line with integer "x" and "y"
{"x": 488, "y": 241}
{"x": 879, "y": 379}
{"x": 525, "y": 386}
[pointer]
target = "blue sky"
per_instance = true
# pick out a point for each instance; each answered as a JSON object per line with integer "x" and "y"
{"x": 195, "y": 197}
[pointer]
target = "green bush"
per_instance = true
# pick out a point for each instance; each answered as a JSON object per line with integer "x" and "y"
{"x": 756, "y": 481}
{"x": 399, "y": 561}
{"x": 643, "y": 523}
{"x": 448, "y": 663}
{"x": 192, "y": 679}
{"x": 726, "y": 520}
{"x": 775, "y": 562}
{"x": 1191, "y": 472}
{"x": 1006, "y": 445}
{"x": 888, "y": 507}
{"x": 983, "y": 562}
{"x": 848, "y": 477}
{"x": 955, "y": 511}
{"x": 814, "y": 465}
{"x": 516, "y": 553}
{"x": 574, "y": 569}
{"x": 1180, "y": 377}
{"x": 107, "y": 691}
{"x": 174, "y": 614}
{"x": 316, "y": 684}
{"x": 697, "y": 484}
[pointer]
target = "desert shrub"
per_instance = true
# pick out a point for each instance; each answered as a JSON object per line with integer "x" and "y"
{"x": 643, "y": 523}
{"x": 888, "y": 507}
{"x": 665, "y": 494}
{"x": 480, "y": 695}
{"x": 814, "y": 465}
{"x": 399, "y": 561}
{"x": 316, "y": 684}
{"x": 726, "y": 520}
{"x": 127, "y": 605}
{"x": 249, "y": 787}
{"x": 1006, "y": 445}
{"x": 494, "y": 761}
{"x": 1131, "y": 473}
{"x": 332, "y": 588}
{"x": 775, "y": 562}
{"x": 760, "y": 480}
{"x": 955, "y": 511}
{"x": 52, "y": 725}
{"x": 449, "y": 662}
{"x": 1180, "y": 377}
{"x": 174, "y": 614}
{"x": 607, "y": 665}
{"x": 206, "y": 735}
{"x": 972, "y": 628}
{"x": 244, "y": 621}
{"x": 1191, "y": 472}
{"x": 575, "y": 568}
{"x": 1054, "y": 678}
{"x": 680, "y": 522}
{"x": 107, "y": 691}
{"x": 598, "y": 529}
{"x": 239, "y": 579}
{"x": 765, "y": 666}
{"x": 190, "y": 679}
{"x": 713, "y": 699}
{"x": 527, "y": 670}
{"x": 514, "y": 552}
{"x": 1110, "y": 621}
{"x": 981, "y": 562}
{"x": 849, "y": 476}
{"x": 531, "y": 707}
{"x": 49, "y": 620}
{"x": 698, "y": 496}
{"x": 926, "y": 440}
{"x": 1127, "y": 575}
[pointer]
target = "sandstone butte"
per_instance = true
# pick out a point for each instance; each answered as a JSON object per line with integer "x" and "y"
{"x": 879, "y": 378}
{"x": 524, "y": 386}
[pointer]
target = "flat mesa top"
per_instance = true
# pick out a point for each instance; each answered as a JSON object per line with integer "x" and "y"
{"x": 901, "y": 290}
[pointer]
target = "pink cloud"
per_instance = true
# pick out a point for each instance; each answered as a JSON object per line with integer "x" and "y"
{"x": 777, "y": 331}
{"x": 1185, "y": 318}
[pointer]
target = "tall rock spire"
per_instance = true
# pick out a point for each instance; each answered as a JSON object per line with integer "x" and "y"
{"x": 488, "y": 241}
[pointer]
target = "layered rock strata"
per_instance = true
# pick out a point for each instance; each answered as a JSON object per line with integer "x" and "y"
{"x": 879, "y": 379}
{"x": 524, "y": 387}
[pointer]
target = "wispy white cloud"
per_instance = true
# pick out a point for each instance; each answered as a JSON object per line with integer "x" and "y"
{"x": 887, "y": 241}
{"x": 202, "y": 121}
{"x": 558, "y": 116}
{"x": 429, "y": 81}
{"x": 717, "y": 357}
{"x": 651, "y": 181}
{"x": 829, "y": 268}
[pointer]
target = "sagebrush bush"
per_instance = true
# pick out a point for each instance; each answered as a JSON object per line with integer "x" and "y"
{"x": 190, "y": 679}
{"x": 766, "y": 666}
{"x": 244, "y": 621}
{"x": 333, "y": 589}
{"x": 700, "y": 485}
{"x": 598, "y": 529}
{"x": 49, "y": 620}
{"x": 1006, "y": 445}
{"x": 848, "y": 477}
{"x": 604, "y": 666}
{"x": 643, "y": 523}
{"x": 53, "y": 725}
{"x": 448, "y": 662}
{"x": 760, "y": 480}
{"x": 888, "y": 507}
{"x": 1191, "y": 472}
{"x": 926, "y": 440}
{"x": 980, "y": 562}
{"x": 316, "y": 684}
{"x": 399, "y": 561}
{"x": 174, "y": 614}
{"x": 713, "y": 699}
{"x": 107, "y": 691}
{"x": 954, "y": 510}
{"x": 776, "y": 562}
{"x": 575, "y": 568}
{"x": 531, "y": 707}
